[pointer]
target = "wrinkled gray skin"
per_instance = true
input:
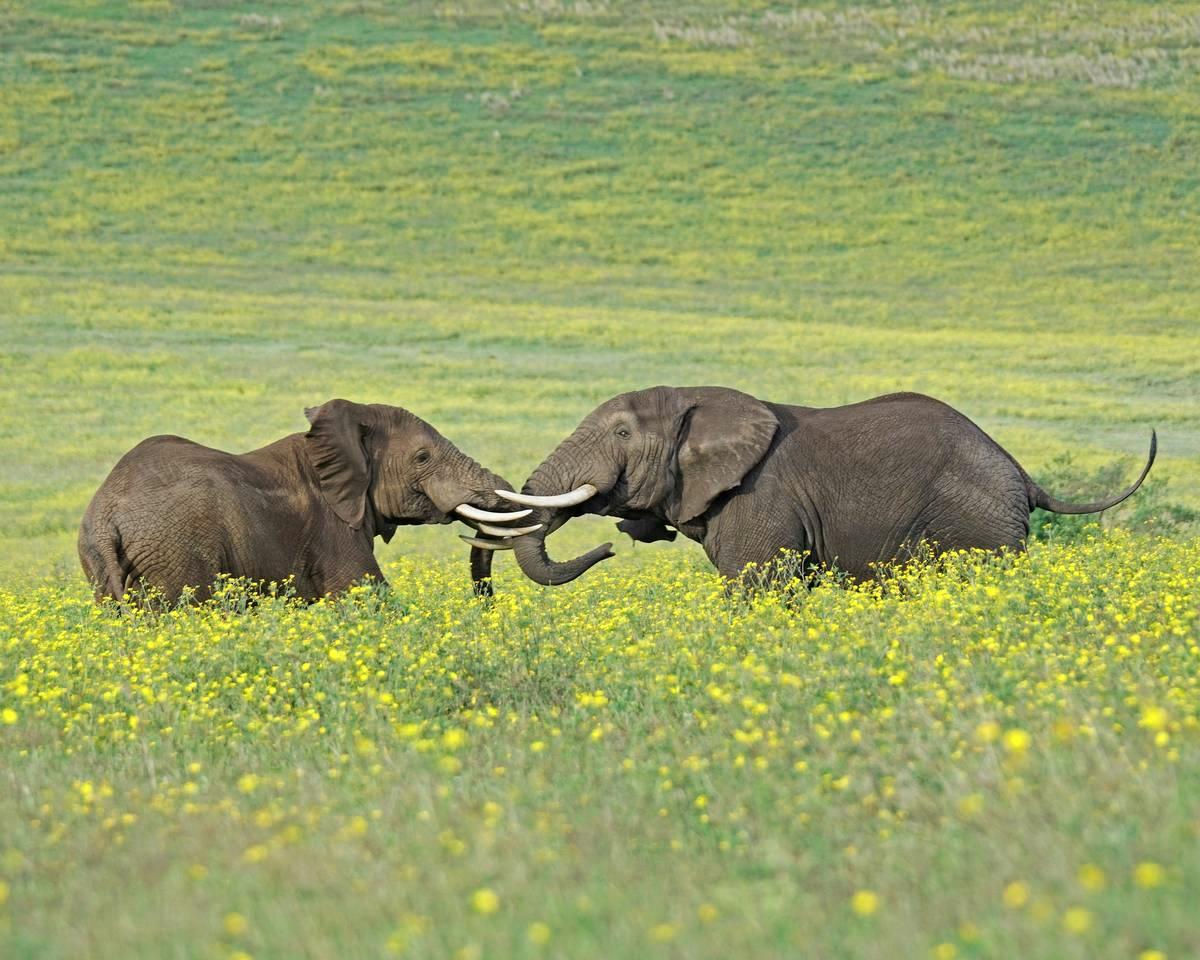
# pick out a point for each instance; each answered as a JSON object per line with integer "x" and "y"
{"x": 851, "y": 486}
{"x": 173, "y": 514}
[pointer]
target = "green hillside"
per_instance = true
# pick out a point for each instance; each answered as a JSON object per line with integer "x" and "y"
{"x": 214, "y": 215}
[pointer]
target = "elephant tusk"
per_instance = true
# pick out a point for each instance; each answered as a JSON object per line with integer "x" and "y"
{"x": 509, "y": 531}
{"x": 486, "y": 516}
{"x": 576, "y": 496}
{"x": 486, "y": 544}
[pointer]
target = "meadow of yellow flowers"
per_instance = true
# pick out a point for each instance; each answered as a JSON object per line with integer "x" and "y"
{"x": 995, "y": 759}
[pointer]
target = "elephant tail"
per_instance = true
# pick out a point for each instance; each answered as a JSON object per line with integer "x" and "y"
{"x": 1040, "y": 498}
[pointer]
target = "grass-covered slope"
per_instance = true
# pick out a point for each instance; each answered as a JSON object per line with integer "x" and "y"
{"x": 215, "y": 214}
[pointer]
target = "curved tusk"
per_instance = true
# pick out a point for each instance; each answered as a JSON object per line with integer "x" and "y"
{"x": 486, "y": 544}
{"x": 486, "y": 516}
{"x": 576, "y": 496}
{"x": 509, "y": 531}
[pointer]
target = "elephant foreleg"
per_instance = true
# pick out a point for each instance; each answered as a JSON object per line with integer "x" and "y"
{"x": 345, "y": 576}
{"x": 757, "y": 551}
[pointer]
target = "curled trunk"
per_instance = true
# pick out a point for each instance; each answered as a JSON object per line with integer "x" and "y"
{"x": 530, "y": 550}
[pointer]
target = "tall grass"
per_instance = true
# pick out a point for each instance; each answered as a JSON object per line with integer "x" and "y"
{"x": 994, "y": 759}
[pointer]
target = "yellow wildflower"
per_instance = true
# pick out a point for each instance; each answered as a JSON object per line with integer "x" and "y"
{"x": 1015, "y": 895}
{"x": 485, "y": 901}
{"x": 987, "y": 732}
{"x": 235, "y": 924}
{"x": 1016, "y": 741}
{"x": 1149, "y": 875}
{"x": 1077, "y": 920}
{"x": 1091, "y": 877}
{"x": 864, "y": 902}
{"x": 663, "y": 932}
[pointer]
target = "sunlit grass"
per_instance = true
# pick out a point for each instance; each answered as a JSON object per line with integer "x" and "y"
{"x": 215, "y": 217}
{"x": 1001, "y": 754}
{"x": 499, "y": 215}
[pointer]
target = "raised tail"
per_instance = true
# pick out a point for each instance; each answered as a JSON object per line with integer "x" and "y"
{"x": 1040, "y": 498}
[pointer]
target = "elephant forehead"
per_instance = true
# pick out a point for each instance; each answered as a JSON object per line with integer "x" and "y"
{"x": 650, "y": 406}
{"x": 411, "y": 431}
{"x": 397, "y": 419}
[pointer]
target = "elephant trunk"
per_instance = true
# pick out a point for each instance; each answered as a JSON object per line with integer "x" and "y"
{"x": 530, "y": 550}
{"x": 464, "y": 489}
{"x": 535, "y": 563}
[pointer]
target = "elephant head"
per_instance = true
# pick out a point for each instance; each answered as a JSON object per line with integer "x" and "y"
{"x": 655, "y": 456}
{"x": 380, "y": 467}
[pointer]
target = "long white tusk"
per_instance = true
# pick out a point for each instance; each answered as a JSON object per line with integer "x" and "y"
{"x": 486, "y": 544}
{"x": 508, "y": 531}
{"x": 474, "y": 513}
{"x": 576, "y": 496}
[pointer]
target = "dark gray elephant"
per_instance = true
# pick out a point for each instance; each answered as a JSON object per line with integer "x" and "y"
{"x": 851, "y": 486}
{"x": 173, "y": 514}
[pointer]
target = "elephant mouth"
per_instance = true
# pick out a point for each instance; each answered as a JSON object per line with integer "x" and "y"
{"x": 494, "y": 536}
{"x": 496, "y": 529}
{"x": 599, "y": 505}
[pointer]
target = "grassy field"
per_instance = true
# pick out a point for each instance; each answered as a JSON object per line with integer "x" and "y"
{"x": 214, "y": 214}
{"x": 999, "y": 761}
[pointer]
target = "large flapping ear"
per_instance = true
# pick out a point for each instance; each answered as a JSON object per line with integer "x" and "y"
{"x": 334, "y": 444}
{"x": 725, "y": 434}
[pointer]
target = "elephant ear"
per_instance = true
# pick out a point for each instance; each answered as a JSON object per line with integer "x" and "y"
{"x": 334, "y": 445}
{"x": 725, "y": 435}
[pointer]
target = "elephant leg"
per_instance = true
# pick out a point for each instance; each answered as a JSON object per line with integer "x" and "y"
{"x": 988, "y": 515}
{"x": 345, "y": 575}
{"x": 752, "y": 553}
{"x": 154, "y": 590}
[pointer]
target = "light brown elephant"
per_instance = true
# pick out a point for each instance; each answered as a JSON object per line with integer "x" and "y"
{"x": 173, "y": 514}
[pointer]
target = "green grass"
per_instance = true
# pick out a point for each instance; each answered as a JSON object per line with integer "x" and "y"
{"x": 209, "y": 225}
{"x": 643, "y": 766}
{"x": 213, "y": 215}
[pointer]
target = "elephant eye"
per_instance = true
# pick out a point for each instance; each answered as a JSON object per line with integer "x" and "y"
{"x": 422, "y": 457}
{"x": 623, "y": 433}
